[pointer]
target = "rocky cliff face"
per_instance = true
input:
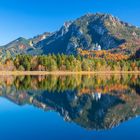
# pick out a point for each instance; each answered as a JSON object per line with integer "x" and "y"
{"x": 87, "y": 31}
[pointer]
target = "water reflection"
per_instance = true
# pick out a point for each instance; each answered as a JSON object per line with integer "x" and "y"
{"x": 92, "y": 102}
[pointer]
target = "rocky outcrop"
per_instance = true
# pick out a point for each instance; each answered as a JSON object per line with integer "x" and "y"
{"x": 102, "y": 29}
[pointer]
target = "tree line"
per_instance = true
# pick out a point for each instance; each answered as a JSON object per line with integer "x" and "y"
{"x": 61, "y": 62}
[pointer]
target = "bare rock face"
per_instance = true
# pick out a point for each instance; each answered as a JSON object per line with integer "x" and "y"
{"x": 85, "y": 32}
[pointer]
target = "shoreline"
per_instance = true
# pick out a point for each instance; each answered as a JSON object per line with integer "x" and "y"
{"x": 16, "y": 73}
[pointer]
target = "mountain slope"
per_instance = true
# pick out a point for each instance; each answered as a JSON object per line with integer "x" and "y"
{"x": 22, "y": 46}
{"x": 18, "y": 46}
{"x": 90, "y": 31}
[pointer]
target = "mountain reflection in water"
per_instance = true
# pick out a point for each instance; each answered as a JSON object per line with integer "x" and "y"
{"x": 94, "y": 102}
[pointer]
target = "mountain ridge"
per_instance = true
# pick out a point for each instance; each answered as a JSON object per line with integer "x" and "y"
{"x": 89, "y": 32}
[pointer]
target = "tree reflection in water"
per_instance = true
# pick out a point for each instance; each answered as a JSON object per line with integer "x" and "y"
{"x": 93, "y": 101}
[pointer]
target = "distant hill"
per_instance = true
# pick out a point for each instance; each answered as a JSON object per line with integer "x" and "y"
{"x": 18, "y": 46}
{"x": 22, "y": 46}
{"x": 89, "y": 32}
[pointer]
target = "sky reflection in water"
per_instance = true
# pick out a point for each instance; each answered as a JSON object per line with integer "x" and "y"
{"x": 70, "y": 107}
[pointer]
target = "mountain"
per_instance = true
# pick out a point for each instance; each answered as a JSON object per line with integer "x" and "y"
{"x": 15, "y": 47}
{"x": 39, "y": 38}
{"x": 89, "y": 32}
{"x": 22, "y": 46}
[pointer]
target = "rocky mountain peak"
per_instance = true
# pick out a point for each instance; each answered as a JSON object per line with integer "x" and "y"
{"x": 89, "y": 32}
{"x": 85, "y": 32}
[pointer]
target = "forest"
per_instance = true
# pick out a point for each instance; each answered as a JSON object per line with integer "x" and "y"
{"x": 101, "y": 61}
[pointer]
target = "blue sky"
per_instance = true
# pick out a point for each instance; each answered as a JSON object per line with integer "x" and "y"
{"x": 28, "y": 18}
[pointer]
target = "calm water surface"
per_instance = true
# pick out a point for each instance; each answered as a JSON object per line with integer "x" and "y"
{"x": 99, "y": 107}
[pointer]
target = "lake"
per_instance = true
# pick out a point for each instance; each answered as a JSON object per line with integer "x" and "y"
{"x": 85, "y": 107}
